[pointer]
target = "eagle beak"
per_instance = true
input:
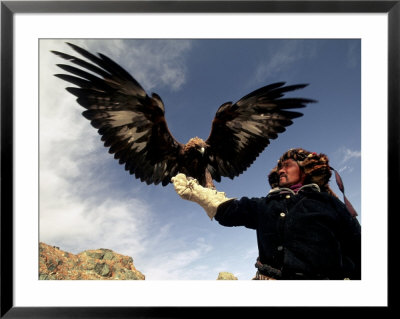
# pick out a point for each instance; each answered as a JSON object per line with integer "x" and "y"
{"x": 202, "y": 149}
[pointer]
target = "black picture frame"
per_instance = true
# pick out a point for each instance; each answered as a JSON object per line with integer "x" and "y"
{"x": 9, "y": 8}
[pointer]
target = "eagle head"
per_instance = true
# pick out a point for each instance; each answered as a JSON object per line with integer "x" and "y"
{"x": 195, "y": 144}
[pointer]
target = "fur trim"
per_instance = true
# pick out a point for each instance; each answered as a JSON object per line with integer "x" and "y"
{"x": 314, "y": 166}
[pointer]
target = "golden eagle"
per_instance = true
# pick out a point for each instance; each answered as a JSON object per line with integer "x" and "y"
{"x": 133, "y": 126}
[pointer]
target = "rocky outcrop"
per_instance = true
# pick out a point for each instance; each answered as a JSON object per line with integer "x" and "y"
{"x": 226, "y": 276}
{"x": 99, "y": 264}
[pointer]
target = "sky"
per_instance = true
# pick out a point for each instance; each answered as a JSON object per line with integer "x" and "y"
{"x": 89, "y": 201}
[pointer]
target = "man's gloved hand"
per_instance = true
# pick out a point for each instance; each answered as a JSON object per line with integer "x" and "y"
{"x": 207, "y": 198}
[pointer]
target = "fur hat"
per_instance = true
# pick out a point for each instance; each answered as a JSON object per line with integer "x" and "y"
{"x": 315, "y": 167}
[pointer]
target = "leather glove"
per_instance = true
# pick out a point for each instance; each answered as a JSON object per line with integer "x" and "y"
{"x": 207, "y": 198}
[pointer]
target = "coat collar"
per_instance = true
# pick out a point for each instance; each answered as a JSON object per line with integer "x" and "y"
{"x": 284, "y": 190}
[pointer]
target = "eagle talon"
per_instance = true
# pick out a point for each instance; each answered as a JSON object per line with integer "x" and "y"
{"x": 191, "y": 183}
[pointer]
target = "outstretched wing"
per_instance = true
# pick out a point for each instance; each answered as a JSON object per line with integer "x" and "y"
{"x": 131, "y": 123}
{"x": 241, "y": 131}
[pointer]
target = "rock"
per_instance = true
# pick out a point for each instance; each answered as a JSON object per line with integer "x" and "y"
{"x": 226, "y": 276}
{"x": 98, "y": 264}
{"x": 102, "y": 269}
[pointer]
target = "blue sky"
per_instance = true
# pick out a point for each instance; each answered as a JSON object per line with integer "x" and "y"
{"x": 88, "y": 200}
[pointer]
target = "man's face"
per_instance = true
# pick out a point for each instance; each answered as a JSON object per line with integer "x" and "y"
{"x": 290, "y": 173}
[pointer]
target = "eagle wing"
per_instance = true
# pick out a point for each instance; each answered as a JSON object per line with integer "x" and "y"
{"x": 131, "y": 124}
{"x": 241, "y": 131}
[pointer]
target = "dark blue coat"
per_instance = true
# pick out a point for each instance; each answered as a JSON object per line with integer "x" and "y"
{"x": 308, "y": 235}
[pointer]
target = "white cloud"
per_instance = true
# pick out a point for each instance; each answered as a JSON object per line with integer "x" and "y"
{"x": 346, "y": 159}
{"x": 153, "y": 64}
{"x": 77, "y": 225}
{"x": 67, "y": 143}
{"x": 163, "y": 64}
{"x": 282, "y": 57}
{"x": 348, "y": 154}
{"x": 346, "y": 168}
{"x": 178, "y": 260}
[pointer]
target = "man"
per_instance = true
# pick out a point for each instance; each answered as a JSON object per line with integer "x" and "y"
{"x": 303, "y": 230}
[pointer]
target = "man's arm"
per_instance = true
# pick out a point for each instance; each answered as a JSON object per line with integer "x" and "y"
{"x": 241, "y": 212}
{"x": 227, "y": 211}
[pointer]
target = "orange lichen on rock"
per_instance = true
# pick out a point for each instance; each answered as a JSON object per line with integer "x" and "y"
{"x": 98, "y": 264}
